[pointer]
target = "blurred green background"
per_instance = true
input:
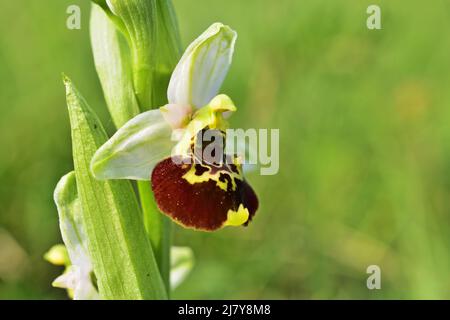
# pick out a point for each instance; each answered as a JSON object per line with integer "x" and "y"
{"x": 365, "y": 147}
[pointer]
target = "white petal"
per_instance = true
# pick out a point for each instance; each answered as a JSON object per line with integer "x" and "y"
{"x": 67, "y": 280}
{"x": 77, "y": 276}
{"x": 69, "y": 210}
{"x": 84, "y": 289}
{"x": 79, "y": 282}
{"x": 199, "y": 75}
{"x": 181, "y": 263}
{"x": 134, "y": 150}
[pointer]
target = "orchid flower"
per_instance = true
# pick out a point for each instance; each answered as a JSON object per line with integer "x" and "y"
{"x": 158, "y": 145}
{"x": 78, "y": 277}
{"x": 79, "y": 281}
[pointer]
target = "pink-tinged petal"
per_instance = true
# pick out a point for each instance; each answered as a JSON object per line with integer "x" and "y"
{"x": 177, "y": 115}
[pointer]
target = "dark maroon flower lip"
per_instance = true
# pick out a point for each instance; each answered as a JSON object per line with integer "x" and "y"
{"x": 203, "y": 196}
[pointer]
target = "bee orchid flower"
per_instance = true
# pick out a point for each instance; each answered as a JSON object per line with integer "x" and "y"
{"x": 77, "y": 278}
{"x": 160, "y": 145}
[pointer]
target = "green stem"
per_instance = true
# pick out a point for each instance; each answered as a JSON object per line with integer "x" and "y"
{"x": 158, "y": 229}
{"x": 151, "y": 29}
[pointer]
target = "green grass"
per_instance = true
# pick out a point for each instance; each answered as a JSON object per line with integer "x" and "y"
{"x": 365, "y": 154}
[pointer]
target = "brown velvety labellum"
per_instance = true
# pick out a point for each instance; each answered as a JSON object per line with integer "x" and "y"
{"x": 201, "y": 205}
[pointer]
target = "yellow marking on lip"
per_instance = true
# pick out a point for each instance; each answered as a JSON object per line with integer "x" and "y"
{"x": 192, "y": 178}
{"x": 237, "y": 218}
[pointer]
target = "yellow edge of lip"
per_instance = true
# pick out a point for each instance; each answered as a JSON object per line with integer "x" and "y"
{"x": 237, "y": 218}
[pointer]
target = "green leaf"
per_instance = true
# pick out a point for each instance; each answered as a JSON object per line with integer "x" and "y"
{"x": 167, "y": 50}
{"x": 139, "y": 19}
{"x": 151, "y": 29}
{"x": 158, "y": 228}
{"x": 168, "y": 46}
{"x": 113, "y": 64}
{"x": 120, "y": 250}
